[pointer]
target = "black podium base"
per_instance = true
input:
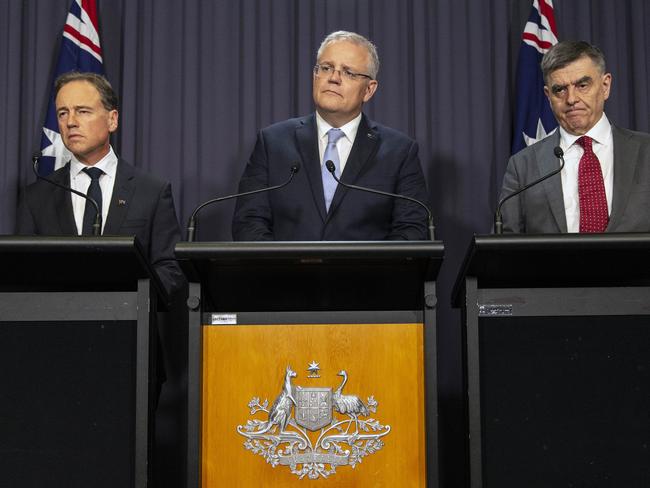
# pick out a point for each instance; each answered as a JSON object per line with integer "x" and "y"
{"x": 566, "y": 401}
{"x": 66, "y": 404}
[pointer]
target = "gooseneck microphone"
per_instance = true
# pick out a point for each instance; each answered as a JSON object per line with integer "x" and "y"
{"x": 498, "y": 221}
{"x": 97, "y": 224}
{"x": 191, "y": 224}
{"x": 332, "y": 169}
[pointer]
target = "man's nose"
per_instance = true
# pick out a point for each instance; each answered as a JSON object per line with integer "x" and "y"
{"x": 571, "y": 95}
{"x": 335, "y": 76}
{"x": 71, "y": 119}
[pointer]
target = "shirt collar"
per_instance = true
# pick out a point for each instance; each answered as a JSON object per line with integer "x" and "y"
{"x": 601, "y": 133}
{"x": 349, "y": 129}
{"x": 108, "y": 164}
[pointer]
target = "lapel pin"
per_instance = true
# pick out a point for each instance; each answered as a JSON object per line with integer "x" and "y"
{"x": 121, "y": 202}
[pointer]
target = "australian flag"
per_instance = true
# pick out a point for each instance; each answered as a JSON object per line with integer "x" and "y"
{"x": 534, "y": 119}
{"x": 80, "y": 51}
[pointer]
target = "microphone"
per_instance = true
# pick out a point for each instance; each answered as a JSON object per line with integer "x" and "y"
{"x": 191, "y": 224}
{"x": 498, "y": 222}
{"x": 97, "y": 224}
{"x": 332, "y": 169}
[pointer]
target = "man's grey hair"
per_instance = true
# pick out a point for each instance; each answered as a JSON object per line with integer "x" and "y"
{"x": 106, "y": 92}
{"x": 566, "y": 52}
{"x": 373, "y": 65}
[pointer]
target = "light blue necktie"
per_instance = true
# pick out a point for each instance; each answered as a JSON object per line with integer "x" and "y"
{"x": 331, "y": 154}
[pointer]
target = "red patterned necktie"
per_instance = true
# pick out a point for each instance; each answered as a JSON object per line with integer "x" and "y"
{"x": 591, "y": 191}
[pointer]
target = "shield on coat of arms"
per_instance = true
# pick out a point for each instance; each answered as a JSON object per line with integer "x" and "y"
{"x": 313, "y": 407}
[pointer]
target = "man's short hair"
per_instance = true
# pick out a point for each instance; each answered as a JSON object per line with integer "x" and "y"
{"x": 106, "y": 92}
{"x": 566, "y": 52}
{"x": 373, "y": 67}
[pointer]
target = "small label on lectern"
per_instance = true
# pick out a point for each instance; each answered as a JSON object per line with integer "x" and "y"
{"x": 224, "y": 319}
{"x": 494, "y": 310}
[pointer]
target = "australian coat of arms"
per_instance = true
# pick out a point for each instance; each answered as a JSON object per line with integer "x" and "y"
{"x": 283, "y": 438}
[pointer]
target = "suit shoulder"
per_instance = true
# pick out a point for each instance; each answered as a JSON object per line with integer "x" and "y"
{"x": 140, "y": 175}
{"x": 389, "y": 133}
{"x": 525, "y": 153}
{"x": 285, "y": 126}
{"x": 642, "y": 137}
{"x": 60, "y": 176}
{"x": 543, "y": 148}
{"x": 389, "y": 136}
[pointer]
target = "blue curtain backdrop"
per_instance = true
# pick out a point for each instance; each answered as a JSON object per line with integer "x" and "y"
{"x": 197, "y": 79}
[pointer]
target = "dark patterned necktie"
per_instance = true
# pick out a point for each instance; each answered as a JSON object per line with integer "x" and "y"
{"x": 94, "y": 192}
{"x": 591, "y": 190}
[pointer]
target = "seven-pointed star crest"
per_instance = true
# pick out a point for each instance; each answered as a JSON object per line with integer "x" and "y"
{"x": 56, "y": 149}
{"x": 313, "y": 367}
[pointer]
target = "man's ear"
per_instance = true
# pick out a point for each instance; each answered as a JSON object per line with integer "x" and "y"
{"x": 607, "y": 84}
{"x": 370, "y": 90}
{"x": 113, "y": 117}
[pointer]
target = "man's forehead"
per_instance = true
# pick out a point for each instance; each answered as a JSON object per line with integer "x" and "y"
{"x": 79, "y": 87}
{"x": 78, "y": 92}
{"x": 342, "y": 50}
{"x": 574, "y": 71}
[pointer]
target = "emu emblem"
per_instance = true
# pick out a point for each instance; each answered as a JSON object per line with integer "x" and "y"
{"x": 314, "y": 441}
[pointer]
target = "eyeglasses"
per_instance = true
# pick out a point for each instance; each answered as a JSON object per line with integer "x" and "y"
{"x": 327, "y": 70}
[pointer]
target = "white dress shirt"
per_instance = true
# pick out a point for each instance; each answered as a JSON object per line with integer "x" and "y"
{"x": 603, "y": 147}
{"x": 343, "y": 145}
{"x": 80, "y": 181}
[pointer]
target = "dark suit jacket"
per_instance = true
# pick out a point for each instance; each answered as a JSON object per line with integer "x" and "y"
{"x": 540, "y": 209}
{"x": 381, "y": 158}
{"x": 140, "y": 206}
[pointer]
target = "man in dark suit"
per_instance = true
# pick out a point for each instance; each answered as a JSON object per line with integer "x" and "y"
{"x": 605, "y": 184}
{"x": 131, "y": 201}
{"x": 313, "y": 206}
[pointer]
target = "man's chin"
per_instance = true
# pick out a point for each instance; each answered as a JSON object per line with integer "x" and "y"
{"x": 329, "y": 108}
{"x": 576, "y": 127}
{"x": 73, "y": 144}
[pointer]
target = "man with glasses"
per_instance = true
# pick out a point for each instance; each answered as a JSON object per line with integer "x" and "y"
{"x": 314, "y": 207}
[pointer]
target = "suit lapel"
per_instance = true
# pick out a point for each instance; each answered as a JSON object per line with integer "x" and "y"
{"x": 547, "y": 163}
{"x": 307, "y": 140}
{"x": 120, "y": 199}
{"x": 626, "y": 156}
{"x": 365, "y": 145}
{"x": 63, "y": 203}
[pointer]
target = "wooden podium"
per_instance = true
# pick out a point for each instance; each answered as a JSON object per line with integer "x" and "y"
{"x": 75, "y": 322}
{"x": 313, "y": 325}
{"x": 558, "y": 359}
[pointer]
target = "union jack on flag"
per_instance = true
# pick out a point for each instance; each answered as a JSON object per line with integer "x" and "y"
{"x": 534, "y": 119}
{"x": 80, "y": 51}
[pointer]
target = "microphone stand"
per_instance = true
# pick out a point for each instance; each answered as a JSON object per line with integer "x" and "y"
{"x": 332, "y": 169}
{"x": 97, "y": 224}
{"x": 498, "y": 221}
{"x": 191, "y": 224}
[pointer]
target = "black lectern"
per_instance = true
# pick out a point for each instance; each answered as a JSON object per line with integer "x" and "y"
{"x": 256, "y": 306}
{"x": 558, "y": 359}
{"x": 75, "y": 322}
